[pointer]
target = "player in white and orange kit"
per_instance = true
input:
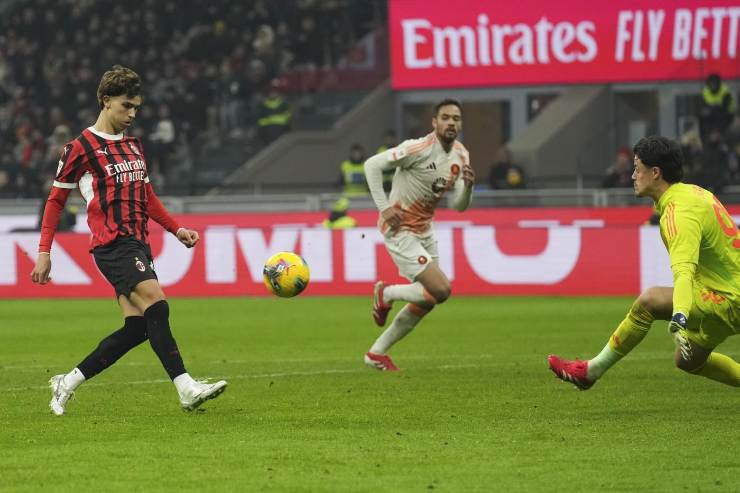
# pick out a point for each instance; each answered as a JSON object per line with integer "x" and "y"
{"x": 426, "y": 168}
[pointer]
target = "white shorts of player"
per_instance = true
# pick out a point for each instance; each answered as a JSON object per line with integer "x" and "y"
{"x": 411, "y": 252}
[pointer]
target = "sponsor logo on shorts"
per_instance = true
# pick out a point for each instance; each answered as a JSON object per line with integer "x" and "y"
{"x": 140, "y": 265}
{"x": 422, "y": 259}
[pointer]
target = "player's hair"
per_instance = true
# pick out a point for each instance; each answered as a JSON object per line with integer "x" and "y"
{"x": 118, "y": 81}
{"x": 447, "y": 102}
{"x": 663, "y": 153}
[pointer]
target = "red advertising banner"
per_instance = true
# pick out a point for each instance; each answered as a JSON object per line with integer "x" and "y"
{"x": 565, "y": 251}
{"x": 487, "y": 43}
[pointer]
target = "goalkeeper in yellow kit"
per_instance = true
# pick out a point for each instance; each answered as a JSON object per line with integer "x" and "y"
{"x": 703, "y": 307}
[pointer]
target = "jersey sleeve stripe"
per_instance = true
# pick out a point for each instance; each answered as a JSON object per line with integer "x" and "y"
{"x": 419, "y": 147}
{"x": 60, "y": 184}
{"x": 672, "y": 220}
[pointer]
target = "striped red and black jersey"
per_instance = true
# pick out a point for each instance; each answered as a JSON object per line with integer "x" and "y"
{"x": 111, "y": 173}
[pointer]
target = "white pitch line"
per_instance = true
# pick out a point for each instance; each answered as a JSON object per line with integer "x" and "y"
{"x": 252, "y": 361}
{"x": 286, "y": 374}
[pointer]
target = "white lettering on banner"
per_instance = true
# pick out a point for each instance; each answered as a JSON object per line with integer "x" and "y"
{"x": 360, "y": 257}
{"x": 445, "y": 244}
{"x": 411, "y": 39}
{"x": 551, "y": 266}
{"x": 64, "y": 269}
{"x": 316, "y": 250}
{"x": 9, "y": 222}
{"x": 454, "y": 37}
{"x": 497, "y": 44}
{"x": 256, "y": 249}
{"x": 655, "y": 28}
{"x": 655, "y": 265}
{"x": 732, "y": 38}
{"x": 220, "y": 253}
{"x": 692, "y": 33}
{"x": 173, "y": 262}
{"x": 655, "y": 20}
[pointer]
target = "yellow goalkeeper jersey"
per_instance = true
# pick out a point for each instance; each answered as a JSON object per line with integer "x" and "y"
{"x": 703, "y": 244}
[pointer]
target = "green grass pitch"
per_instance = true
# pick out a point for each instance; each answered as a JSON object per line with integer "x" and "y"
{"x": 475, "y": 409}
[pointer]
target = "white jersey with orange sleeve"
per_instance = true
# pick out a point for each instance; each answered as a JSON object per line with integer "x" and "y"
{"x": 424, "y": 172}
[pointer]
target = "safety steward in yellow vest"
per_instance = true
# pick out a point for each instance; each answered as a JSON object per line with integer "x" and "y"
{"x": 353, "y": 173}
{"x": 273, "y": 115}
{"x": 718, "y": 106}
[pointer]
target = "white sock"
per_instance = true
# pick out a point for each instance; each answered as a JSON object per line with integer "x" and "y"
{"x": 73, "y": 379}
{"x": 413, "y": 293}
{"x": 403, "y": 323}
{"x": 602, "y": 362}
{"x": 183, "y": 382}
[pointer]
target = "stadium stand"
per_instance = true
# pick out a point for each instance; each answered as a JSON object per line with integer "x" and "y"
{"x": 205, "y": 66}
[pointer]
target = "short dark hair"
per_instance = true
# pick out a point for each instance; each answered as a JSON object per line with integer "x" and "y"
{"x": 663, "y": 153}
{"x": 118, "y": 81}
{"x": 447, "y": 102}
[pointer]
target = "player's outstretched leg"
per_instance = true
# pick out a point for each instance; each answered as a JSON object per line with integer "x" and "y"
{"x": 60, "y": 394}
{"x": 380, "y": 307}
{"x": 403, "y": 323}
{"x": 574, "y": 372}
{"x": 108, "y": 351}
{"x": 381, "y": 362}
{"x": 197, "y": 393}
{"x": 192, "y": 393}
{"x": 629, "y": 333}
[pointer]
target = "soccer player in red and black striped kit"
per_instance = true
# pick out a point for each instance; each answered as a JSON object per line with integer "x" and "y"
{"x": 110, "y": 170}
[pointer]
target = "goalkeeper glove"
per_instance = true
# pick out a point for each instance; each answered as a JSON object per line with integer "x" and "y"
{"x": 678, "y": 322}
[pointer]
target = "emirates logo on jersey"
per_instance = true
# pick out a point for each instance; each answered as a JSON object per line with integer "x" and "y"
{"x": 140, "y": 265}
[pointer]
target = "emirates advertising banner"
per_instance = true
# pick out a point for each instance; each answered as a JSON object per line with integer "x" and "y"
{"x": 563, "y": 251}
{"x": 435, "y": 43}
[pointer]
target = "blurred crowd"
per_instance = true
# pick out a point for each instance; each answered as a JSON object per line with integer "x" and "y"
{"x": 711, "y": 143}
{"x": 207, "y": 68}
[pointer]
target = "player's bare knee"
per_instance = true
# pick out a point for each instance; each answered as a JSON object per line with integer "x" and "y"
{"x": 651, "y": 300}
{"x": 441, "y": 293}
{"x": 688, "y": 363}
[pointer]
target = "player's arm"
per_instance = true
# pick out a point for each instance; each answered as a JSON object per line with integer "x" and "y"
{"x": 682, "y": 231}
{"x": 374, "y": 167}
{"x": 156, "y": 210}
{"x": 68, "y": 174}
{"x": 462, "y": 192}
{"x": 52, "y": 213}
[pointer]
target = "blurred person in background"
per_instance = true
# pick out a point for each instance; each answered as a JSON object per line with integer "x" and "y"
{"x": 426, "y": 169}
{"x": 712, "y": 168}
{"x": 352, "y": 173}
{"x": 273, "y": 115}
{"x": 110, "y": 170}
{"x": 162, "y": 140}
{"x": 504, "y": 174}
{"x": 339, "y": 217}
{"x": 619, "y": 174}
{"x": 353, "y": 184}
{"x": 717, "y": 108}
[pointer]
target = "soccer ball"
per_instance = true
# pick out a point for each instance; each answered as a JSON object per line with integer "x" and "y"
{"x": 286, "y": 274}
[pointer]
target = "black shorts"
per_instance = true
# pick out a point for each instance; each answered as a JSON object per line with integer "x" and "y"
{"x": 125, "y": 262}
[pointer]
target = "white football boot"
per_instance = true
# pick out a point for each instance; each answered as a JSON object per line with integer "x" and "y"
{"x": 199, "y": 392}
{"x": 60, "y": 394}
